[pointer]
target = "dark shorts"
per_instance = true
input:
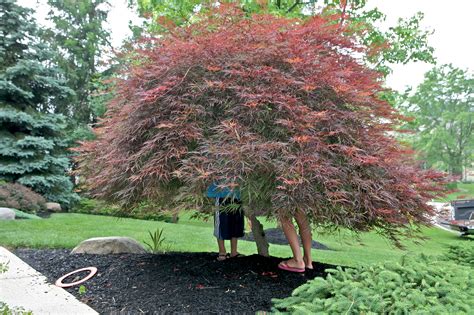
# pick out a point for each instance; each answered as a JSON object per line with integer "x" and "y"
{"x": 229, "y": 223}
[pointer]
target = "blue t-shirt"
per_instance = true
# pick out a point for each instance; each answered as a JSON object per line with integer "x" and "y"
{"x": 214, "y": 191}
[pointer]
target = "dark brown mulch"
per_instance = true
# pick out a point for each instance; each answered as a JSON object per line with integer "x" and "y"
{"x": 174, "y": 282}
{"x": 44, "y": 214}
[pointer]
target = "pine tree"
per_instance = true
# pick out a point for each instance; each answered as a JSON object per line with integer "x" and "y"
{"x": 32, "y": 145}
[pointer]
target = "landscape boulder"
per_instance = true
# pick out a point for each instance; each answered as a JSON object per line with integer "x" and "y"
{"x": 109, "y": 245}
{"x": 7, "y": 214}
{"x": 53, "y": 207}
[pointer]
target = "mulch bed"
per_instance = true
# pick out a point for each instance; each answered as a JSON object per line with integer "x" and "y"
{"x": 174, "y": 282}
{"x": 44, "y": 214}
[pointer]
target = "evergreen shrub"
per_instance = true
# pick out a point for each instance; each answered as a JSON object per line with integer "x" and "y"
{"x": 148, "y": 210}
{"x": 33, "y": 137}
{"x": 94, "y": 206}
{"x": 461, "y": 253}
{"x": 13, "y": 195}
{"x": 412, "y": 286}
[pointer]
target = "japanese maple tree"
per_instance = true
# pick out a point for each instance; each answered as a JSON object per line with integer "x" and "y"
{"x": 282, "y": 108}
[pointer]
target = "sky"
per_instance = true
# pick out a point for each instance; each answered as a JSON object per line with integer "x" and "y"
{"x": 453, "y": 38}
{"x": 452, "y": 22}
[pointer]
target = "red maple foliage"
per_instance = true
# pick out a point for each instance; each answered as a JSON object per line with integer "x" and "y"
{"x": 282, "y": 108}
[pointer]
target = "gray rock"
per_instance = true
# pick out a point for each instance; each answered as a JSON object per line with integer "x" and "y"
{"x": 7, "y": 214}
{"x": 53, "y": 207}
{"x": 109, "y": 245}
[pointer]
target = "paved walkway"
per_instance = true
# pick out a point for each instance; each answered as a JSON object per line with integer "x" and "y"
{"x": 22, "y": 286}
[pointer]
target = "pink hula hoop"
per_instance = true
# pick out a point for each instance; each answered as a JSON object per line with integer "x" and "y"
{"x": 59, "y": 282}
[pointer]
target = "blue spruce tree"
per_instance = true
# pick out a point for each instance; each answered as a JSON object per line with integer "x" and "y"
{"x": 32, "y": 141}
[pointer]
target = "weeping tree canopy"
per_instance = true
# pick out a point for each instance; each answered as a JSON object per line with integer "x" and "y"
{"x": 281, "y": 108}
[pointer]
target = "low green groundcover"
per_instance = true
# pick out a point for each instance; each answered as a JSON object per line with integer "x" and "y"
{"x": 413, "y": 286}
{"x": 23, "y": 215}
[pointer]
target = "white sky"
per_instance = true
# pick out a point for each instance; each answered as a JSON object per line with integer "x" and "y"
{"x": 453, "y": 39}
{"x": 452, "y": 22}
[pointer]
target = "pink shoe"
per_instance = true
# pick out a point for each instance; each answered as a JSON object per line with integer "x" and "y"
{"x": 284, "y": 266}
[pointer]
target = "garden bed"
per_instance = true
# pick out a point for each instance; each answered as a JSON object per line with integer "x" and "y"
{"x": 174, "y": 282}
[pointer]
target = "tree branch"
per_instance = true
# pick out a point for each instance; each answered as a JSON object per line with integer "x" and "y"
{"x": 293, "y": 6}
{"x": 343, "y": 13}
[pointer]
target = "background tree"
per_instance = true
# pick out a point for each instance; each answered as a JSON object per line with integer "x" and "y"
{"x": 402, "y": 43}
{"x": 282, "y": 110}
{"x": 80, "y": 37}
{"x": 32, "y": 151}
{"x": 443, "y": 108}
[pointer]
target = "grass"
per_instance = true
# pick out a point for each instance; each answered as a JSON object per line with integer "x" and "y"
{"x": 66, "y": 230}
{"x": 465, "y": 191}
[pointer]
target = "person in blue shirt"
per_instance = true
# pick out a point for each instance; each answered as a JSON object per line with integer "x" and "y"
{"x": 228, "y": 219}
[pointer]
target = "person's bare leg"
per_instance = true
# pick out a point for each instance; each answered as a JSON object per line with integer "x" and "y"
{"x": 292, "y": 237}
{"x": 233, "y": 247}
{"x": 306, "y": 237}
{"x": 222, "y": 250}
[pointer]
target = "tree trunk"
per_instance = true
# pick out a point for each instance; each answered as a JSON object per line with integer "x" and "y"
{"x": 175, "y": 217}
{"x": 259, "y": 236}
{"x": 456, "y": 166}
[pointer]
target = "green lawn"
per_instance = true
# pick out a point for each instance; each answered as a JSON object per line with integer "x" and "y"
{"x": 466, "y": 191}
{"x": 66, "y": 230}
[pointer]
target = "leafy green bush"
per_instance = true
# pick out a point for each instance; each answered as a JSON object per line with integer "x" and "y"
{"x": 410, "y": 287}
{"x": 93, "y": 206}
{"x": 13, "y": 195}
{"x": 452, "y": 185}
{"x": 462, "y": 253}
{"x": 144, "y": 211}
{"x": 6, "y": 310}
{"x": 147, "y": 210}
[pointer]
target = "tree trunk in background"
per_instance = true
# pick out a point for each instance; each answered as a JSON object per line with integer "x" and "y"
{"x": 175, "y": 217}
{"x": 259, "y": 236}
{"x": 456, "y": 166}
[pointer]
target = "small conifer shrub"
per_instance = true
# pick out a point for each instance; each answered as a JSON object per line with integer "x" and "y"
{"x": 410, "y": 287}
{"x": 461, "y": 253}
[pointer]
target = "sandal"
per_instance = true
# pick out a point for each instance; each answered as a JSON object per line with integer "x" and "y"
{"x": 306, "y": 266}
{"x": 284, "y": 266}
{"x": 222, "y": 257}
{"x": 239, "y": 255}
